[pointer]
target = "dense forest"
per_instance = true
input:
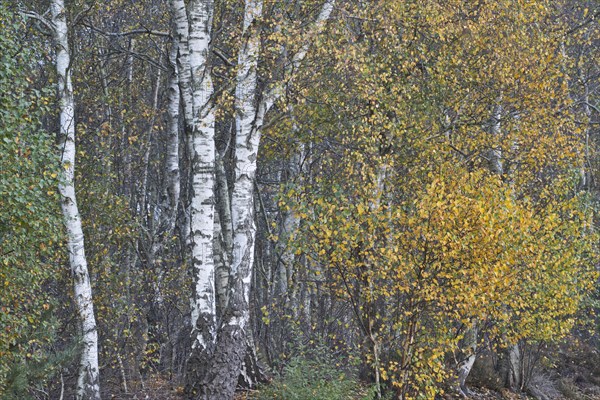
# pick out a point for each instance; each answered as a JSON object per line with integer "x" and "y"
{"x": 299, "y": 199}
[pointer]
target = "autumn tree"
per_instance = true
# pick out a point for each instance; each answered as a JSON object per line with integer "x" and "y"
{"x": 88, "y": 378}
{"x": 412, "y": 105}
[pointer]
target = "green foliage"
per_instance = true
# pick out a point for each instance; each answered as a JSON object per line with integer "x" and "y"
{"x": 29, "y": 215}
{"x": 33, "y": 372}
{"x": 314, "y": 376}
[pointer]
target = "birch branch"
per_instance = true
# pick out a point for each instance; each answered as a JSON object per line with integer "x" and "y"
{"x": 39, "y": 18}
{"x": 139, "y": 31}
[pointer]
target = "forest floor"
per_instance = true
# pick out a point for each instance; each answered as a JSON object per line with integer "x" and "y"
{"x": 160, "y": 389}
{"x": 572, "y": 374}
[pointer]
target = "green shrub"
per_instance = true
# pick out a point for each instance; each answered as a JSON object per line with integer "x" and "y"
{"x": 315, "y": 377}
{"x": 30, "y": 218}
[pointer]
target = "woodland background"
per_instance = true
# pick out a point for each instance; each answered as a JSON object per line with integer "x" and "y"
{"x": 299, "y": 199}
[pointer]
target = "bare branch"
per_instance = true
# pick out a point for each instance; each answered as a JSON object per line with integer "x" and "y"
{"x": 39, "y": 18}
{"x": 219, "y": 53}
{"x": 82, "y": 14}
{"x": 141, "y": 31}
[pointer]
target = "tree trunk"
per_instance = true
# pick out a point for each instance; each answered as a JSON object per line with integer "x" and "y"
{"x": 514, "y": 376}
{"x": 173, "y": 186}
{"x": 224, "y": 239}
{"x": 193, "y": 25}
{"x": 88, "y": 382}
{"x": 203, "y": 182}
{"x": 226, "y": 364}
{"x": 465, "y": 366}
{"x": 495, "y": 154}
{"x": 231, "y": 350}
{"x": 289, "y": 225}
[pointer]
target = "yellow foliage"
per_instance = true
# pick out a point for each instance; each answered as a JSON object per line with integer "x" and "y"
{"x": 411, "y": 228}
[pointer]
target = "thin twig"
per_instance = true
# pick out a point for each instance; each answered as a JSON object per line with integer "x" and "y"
{"x": 140, "y": 31}
{"x": 219, "y": 53}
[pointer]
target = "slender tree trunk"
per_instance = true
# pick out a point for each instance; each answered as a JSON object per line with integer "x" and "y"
{"x": 169, "y": 201}
{"x": 495, "y": 154}
{"x": 125, "y": 144}
{"x": 231, "y": 348}
{"x": 193, "y": 25}
{"x": 230, "y": 351}
{"x": 290, "y": 223}
{"x": 88, "y": 381}
{"x": 225, "y": 237}
{"x": 173, "y": 186}
{"x": 465, "y": 366}
{"x": 514, "y": 374}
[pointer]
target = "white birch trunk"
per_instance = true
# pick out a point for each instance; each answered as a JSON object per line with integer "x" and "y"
{"x": 231, "y": 349}
{"x": 193, "y": 26}
{"x": 169, "y": 200}
{"x": 182, "y": 31}
{"x": 143, "y": 191}
{"x": 203, "y": 176}
{"x": 249, "y": 122}
{"x": 246, "y": 151}
{"x": 290, "y": 224}
{"x": 465, "y": 366}
{"x": 495, "y": 154}
{"x": 515, "y": 371}
{"x": 229, "y": 354}
{"x": 172, "y": 162}
{"x": 126, "y": 130}
{"x": 88, "y": 382}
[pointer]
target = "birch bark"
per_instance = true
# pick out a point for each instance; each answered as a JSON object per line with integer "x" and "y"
{"x": 172, "y": 163}
{"x": 229, "y": 354}
{"x": 230, "y": 349}
{"x": 193, "y": 26}
{"x": 88, "y": 382}
{"x": 203, "y": 176}
{"x": 224, "y": 238}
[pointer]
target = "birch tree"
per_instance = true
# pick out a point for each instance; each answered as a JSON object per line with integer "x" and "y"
{"x": 230, "y": 348}
{"x": 193, "y": 24}
{"x": 88, "y": 381}
{"x": 438, "y": 252}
